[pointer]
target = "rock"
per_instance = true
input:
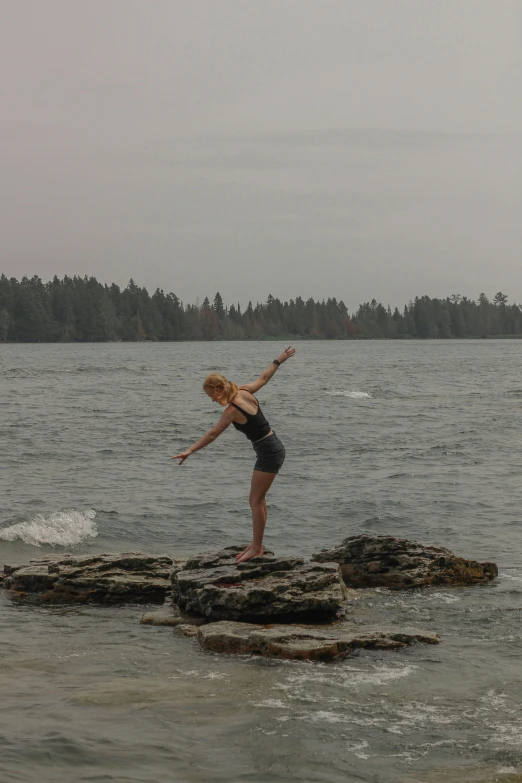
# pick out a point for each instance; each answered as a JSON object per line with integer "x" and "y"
{"x": 306, "y": 643}
{"x": 106, "y": 579}
{"x": 35, "y": 575}
{"x": 10, "y": 569}
{"x": 161, "y": 618}
{"x": 171, "y": 615}
{"x": 263, "y": 588}
{"x": 385, "y": 561}
{"x": 191, "y": 631}
{"x": 31, "y": 579}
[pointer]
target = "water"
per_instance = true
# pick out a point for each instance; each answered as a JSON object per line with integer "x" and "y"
{"x": 417, "y": 439}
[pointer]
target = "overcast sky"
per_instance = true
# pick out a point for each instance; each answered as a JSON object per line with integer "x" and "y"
{"x": 349, "y": 148}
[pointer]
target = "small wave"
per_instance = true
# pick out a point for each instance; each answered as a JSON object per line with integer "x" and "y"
{"x": 61, "y": 528}
{"x": 326, "y": 716}
{"x": 349, "y": 677}
{"x": 355, "y": 395}
{"x": 273, "y": 703}
{"x": 418, "y": 599}
{"x": 376, "y": 675}
{"x": 105, "y": 368}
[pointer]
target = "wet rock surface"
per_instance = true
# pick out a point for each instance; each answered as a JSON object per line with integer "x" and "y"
{"x": 275, "y": 607}
{"x": 171, "y": 615}
{"x": 104, "y": 579}
{"x": 215, "y": 586}
{"x": 308, "y": 643}
{"x": 162, "y": 617}
{"x": 397, "y": 563}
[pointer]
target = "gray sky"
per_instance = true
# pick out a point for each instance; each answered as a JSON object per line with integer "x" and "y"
{"x": 349, "y": 148}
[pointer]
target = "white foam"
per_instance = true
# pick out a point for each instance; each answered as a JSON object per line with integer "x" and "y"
{"x": 421, "y": 715}
{"x": 417, "y": 601}
{"x": 215, "y": 676}
{"x": 376, "y": 675}
{"x": 507, "y": 735}
{"x": 358, "y": 721}
{"x": 355, "y": 395}
{"x": 349, "y": 677}
{"x": 503, "y": 575}
{"x": 495, "y": 700}
{"x": 61, "y": 528}
{"x": 326, "y": 716}
{"x": 407, "y": 756}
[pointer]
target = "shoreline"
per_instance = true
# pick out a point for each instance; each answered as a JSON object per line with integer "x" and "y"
{"x": 283, "y": 338}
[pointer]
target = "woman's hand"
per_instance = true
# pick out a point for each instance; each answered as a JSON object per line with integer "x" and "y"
{"x": 210, "y": 436}
{"x": 182, "y": 457}
{"x": 287, "y": 353}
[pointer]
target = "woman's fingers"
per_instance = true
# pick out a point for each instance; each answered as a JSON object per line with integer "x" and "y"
{"x": 287, "y": 353}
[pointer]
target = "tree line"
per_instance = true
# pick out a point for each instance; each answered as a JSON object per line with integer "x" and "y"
{"x": 81, "y": 309}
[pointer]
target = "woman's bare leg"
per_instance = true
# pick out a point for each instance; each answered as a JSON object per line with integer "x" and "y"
{"x": 261, "y": 483}
{"x": 249, "y": 546}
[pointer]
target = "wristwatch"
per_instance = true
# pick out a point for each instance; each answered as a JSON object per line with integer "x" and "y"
{"x": 276, "y": 361}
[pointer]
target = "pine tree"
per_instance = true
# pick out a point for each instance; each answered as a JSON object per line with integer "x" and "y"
{"x": 218, "y": 306}
{"x": 4, "y": 324}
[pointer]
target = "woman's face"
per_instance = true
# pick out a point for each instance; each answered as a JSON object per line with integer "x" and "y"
{"x": 212, "y": 393}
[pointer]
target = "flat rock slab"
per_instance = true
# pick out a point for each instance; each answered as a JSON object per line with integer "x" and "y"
{"x": 172, "y": 616}
{"x": 306, "y": 643}
{"x": 162, "y": 617}
{"x": 103, "y": 579}
{"x": 264, "y": 588}
{"x": 396, "y": 563}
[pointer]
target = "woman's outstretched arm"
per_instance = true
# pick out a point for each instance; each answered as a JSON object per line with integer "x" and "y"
{"x": 210, "y": 436}
{"x": 269, "y": 372}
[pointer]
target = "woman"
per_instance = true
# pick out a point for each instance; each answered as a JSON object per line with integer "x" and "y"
{"x": 243, "y": 411}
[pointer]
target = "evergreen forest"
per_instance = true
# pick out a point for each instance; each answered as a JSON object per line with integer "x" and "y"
{"x": 81, "y": 309}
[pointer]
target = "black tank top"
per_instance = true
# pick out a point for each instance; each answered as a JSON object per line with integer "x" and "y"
{"x": 256, "y": 426}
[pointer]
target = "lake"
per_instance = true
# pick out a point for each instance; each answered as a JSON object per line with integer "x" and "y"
{"x": 419, "y": 439}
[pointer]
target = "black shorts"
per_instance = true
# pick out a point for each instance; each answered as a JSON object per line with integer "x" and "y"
{"x": 270, "y": 454}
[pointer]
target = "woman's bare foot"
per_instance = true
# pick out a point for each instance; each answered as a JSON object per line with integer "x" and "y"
{"x": 251, "y": 552}
{"x": 239, "y": 554}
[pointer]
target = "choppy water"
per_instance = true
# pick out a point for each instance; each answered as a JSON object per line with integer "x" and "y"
{"x": 418, "y": 439}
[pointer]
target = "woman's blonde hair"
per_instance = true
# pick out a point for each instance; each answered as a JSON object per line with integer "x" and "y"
{"x": 226, "y": 389}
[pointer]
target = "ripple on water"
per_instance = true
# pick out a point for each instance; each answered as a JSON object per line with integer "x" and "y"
{"x": 385, "y": 437}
